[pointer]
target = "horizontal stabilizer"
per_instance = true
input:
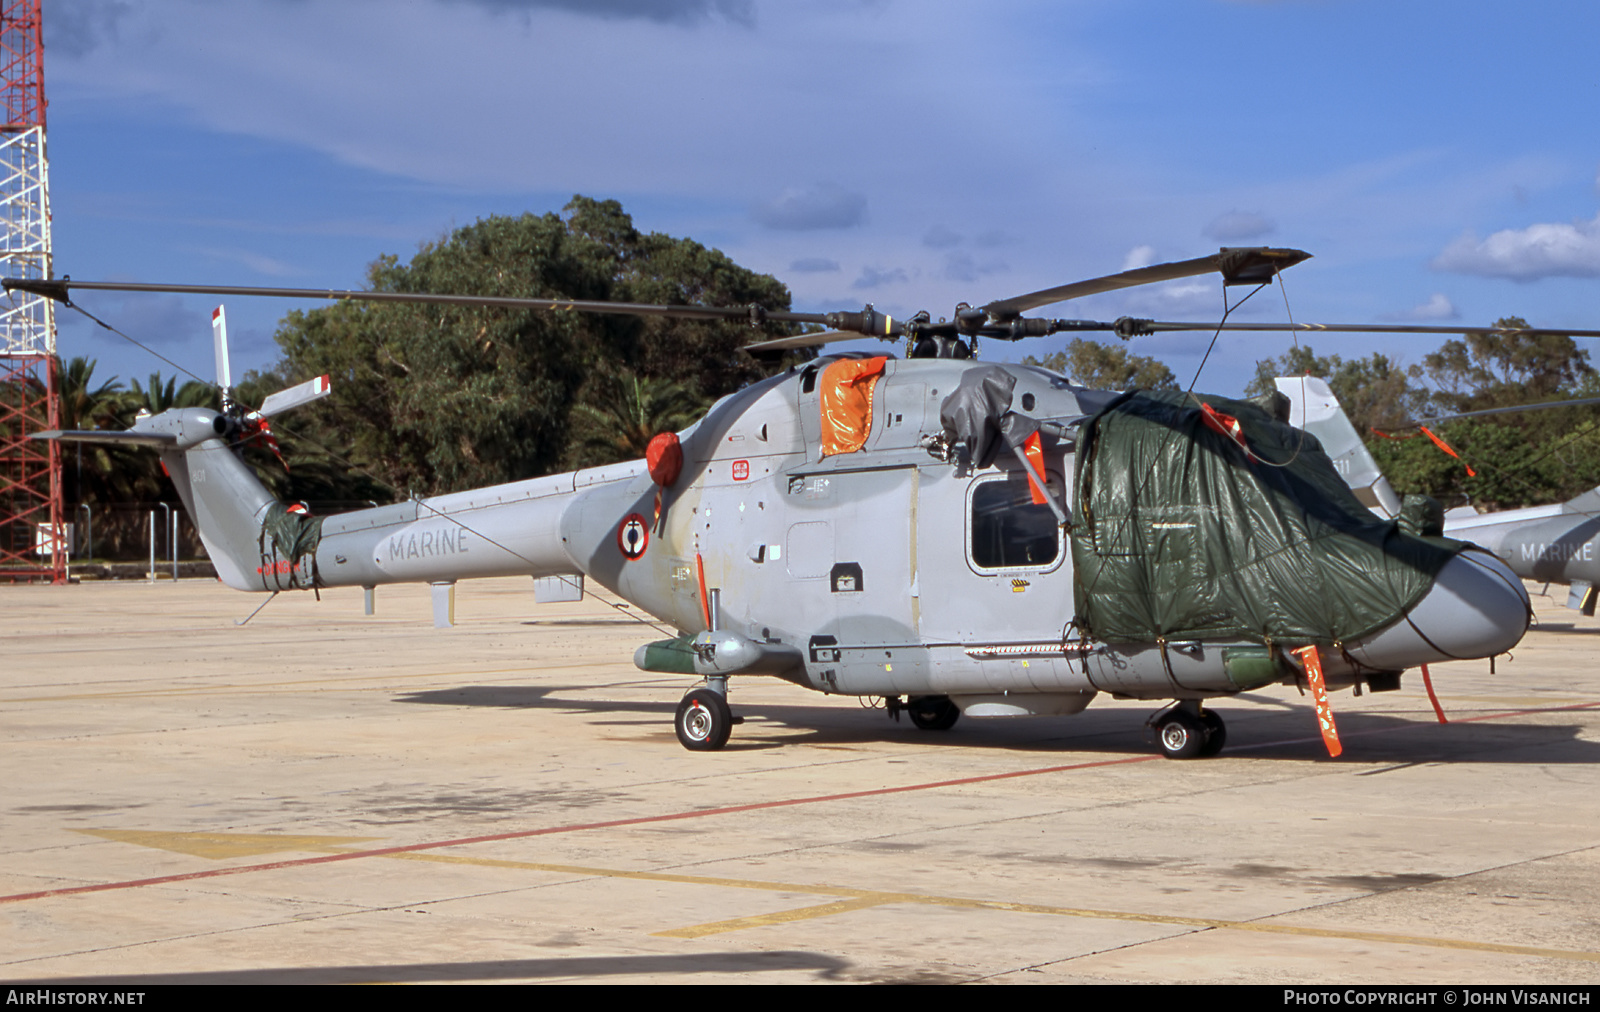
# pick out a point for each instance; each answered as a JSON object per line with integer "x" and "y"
{"x": 127, "y": 438}
{"x": 293, "y": 397}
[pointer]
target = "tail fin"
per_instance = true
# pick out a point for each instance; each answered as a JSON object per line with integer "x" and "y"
{"x": 1314, "y": 408}
{"x": 255, "y": 542}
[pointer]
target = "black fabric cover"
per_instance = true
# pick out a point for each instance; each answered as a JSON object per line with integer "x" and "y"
{"x": 1178, "y": 535}
{"x": 972, "y": 412}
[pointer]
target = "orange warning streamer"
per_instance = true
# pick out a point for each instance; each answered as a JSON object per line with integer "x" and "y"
{"x": 1441, "y": 444}
{"x": 1319, "y": 692}
{"x": 705, "y": 603}
{"x": 1033, "y": 450}
{"x": 1445, "y": 447}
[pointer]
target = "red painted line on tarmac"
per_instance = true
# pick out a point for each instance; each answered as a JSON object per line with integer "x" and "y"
{"x": 1512, "y": 713}
{"x": 675, "y": 816}
{"x": 551, "y": 830}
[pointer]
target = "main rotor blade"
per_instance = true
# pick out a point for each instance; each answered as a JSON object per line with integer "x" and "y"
{"x": 58, "y": 289}
{"x": 801, "y": 341}
{"x": 1238, "y": 266}
{"x": 1154, "y": 326}
{"x": 1577, "y": 402}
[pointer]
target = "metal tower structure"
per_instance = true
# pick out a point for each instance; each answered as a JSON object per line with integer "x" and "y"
{"x": 32, "y": 546}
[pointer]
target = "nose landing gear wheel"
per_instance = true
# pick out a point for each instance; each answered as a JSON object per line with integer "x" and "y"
{"x": 703, "y": 721}
{"x": 933, "y": 713}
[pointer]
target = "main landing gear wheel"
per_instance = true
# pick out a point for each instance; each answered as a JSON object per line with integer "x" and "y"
{"x": 704, "y": 721}
{"x": 1182, "y": 734}
{"x": 1216, "y": 733}
{"x": 933, "y": 713}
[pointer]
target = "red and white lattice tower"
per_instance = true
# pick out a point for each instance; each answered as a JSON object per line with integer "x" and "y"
{"x": 31, "y": 542}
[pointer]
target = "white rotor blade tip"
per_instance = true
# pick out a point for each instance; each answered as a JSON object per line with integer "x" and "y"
{"x": 293, "y": 397}
{"x": 219, "y": 338}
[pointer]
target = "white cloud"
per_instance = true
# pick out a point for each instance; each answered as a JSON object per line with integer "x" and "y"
{"x": 1438, "y": 307}
{"x": 1527, "y": 254}
{"x": 877, "y": 277}
{"x": 963, "y": 268}
{"x": 1237, "y": 225}
{"x": 1139, "y": 256}
{"x": 814, "y": 265}
{"x": 682, "y": 12}
{"x": 1183, "y": 297}
{"x": 165, "y": 321}
{"x": 824, "y": 205}
{"x": 73, "y": 28}
{"x": 269, "y": 266}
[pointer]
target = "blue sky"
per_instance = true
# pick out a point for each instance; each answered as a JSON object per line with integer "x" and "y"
{"x": 1440, "y": 159}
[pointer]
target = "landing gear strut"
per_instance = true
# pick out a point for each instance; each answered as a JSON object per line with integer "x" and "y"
{"x": 1186, "y": 731}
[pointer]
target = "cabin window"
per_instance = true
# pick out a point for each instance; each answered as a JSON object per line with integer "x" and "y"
{"x": 1006, "y": 530}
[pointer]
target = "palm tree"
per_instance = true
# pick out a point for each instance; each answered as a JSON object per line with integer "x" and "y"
{"x": 621, "y": 412}
{"x": 155, "y": 398}
{"x": 97, "y": 472}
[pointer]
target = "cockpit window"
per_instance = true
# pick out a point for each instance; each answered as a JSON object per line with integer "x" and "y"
{"x": 1007, "y": 530}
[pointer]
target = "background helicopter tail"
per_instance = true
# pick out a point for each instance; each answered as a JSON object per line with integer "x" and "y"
{"x": 1314, "y": 408}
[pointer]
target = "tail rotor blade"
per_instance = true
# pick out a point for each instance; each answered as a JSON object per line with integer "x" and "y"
{"x": 219, "y": 339}
{"x": 293, "y": 397}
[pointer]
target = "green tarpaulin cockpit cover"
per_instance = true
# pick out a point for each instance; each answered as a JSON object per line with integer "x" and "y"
{"x": 1180, "y": 534}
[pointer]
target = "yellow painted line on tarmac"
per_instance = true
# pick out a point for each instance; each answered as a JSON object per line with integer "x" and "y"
{"x": 325, "y": 682}
{"x": 778, "y": 917}
{"x": 862, "y": 899}
{"x": 220, "y": 845}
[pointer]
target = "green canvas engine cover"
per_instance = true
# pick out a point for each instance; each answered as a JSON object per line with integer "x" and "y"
{"x": 1179, "y": 533}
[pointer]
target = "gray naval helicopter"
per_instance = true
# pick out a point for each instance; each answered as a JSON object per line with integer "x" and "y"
{"x": 957, "y": 537}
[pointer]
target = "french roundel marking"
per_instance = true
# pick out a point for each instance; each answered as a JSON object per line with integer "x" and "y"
{"x": 633, "y": 536}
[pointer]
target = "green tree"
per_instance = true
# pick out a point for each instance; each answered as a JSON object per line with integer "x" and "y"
{"x": 1106, "y": 367}
{"x": 620, "y": 413}
{"x": 156, "y": 398}
{"x": 431, "y": 398}
{"x": 98, "y": 472}
{"x": 1376, "y": 392}
{"x": 1501, "y": 368}
{"x": 1519, "y": 459}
